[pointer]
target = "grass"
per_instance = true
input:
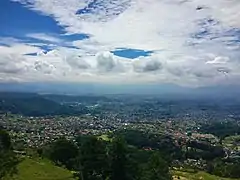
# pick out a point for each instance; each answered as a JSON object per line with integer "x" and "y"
{"x": 39, "y": 169}
{"x": 104, "y": 137}
{"x": 196, "y": 176}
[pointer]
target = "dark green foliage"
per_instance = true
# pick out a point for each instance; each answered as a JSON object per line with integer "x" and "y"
{"x": 95, "y": 159}
{"x": 118, "y": 160}
{"x": 156, "y": 169}
{"x": 5, "y": 140}
{"x": 165, "y": 144}
{"x": 8, "y": 160}
{"x": 8, "y": 163}
{"x": 222, "y": 129}
{"x": 82, "y": 139}
{"x": 63, "y": 152}
{"x": 224, "y": 169}
{"x": 206, "y": 151}
{"x": 233, "y": 170}
{"x": 93, "y": 162}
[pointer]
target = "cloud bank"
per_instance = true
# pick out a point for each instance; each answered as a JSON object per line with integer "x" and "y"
{"x": 193, "y": 43}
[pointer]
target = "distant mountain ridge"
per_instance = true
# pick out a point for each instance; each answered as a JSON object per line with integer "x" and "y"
{"x": 136, "y": 89}
{"x": 31, "y": 104}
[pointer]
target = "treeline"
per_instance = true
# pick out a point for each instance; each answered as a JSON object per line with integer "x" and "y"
{"x": 224, "y": 168}
{"x": 125, "y": 155}
{"x": 8, "y": 159}
{"x": 163, "y": 143}
{"x": 94, "y": 159}
{"x": 134, "y": 155}
{"x": 198, "y": 150}
{"x": 221, "y": 129}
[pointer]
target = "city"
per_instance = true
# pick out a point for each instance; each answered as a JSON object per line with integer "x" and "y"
{"x": 187, "y": 125}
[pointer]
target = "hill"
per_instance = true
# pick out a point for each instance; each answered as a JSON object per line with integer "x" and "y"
{"x": 31, "y": 104}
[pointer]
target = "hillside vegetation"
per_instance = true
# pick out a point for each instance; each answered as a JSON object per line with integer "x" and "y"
{"x": 40, "y": 169}
{"x": 184, "y": 175}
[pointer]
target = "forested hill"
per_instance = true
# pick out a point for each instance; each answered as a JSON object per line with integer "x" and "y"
{"x": 31, "y": 104}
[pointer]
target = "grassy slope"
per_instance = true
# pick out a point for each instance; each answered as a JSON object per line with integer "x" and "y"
{"x": 30, "y": 169}
{"x": 197, "y": 176}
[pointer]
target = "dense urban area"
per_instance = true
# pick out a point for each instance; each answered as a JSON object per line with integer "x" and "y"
{"x": 191, "y": 135}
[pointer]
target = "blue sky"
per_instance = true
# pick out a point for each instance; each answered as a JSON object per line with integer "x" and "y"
{"x": 120, "y": 41}
{"x": 18, "y": 21}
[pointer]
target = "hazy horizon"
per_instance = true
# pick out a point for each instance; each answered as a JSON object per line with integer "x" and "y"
{"x": 166, "y": 90}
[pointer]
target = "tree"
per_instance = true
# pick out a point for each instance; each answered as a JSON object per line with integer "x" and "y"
{"x": 118, "y": 160}
{"x": 5, "y": 140}
{"x": 93, "y": 164}
{"x": 233, "y": 170}
{"x": 8, "y": 160}
{"x": 226, "y": 169}
{"x": 156, "y": 169}
{"x": 64, "y": 152}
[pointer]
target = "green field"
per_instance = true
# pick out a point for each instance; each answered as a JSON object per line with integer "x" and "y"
{"x": 38, "y": 169}
{"x": 196, "y": 176}
{"x": 104, "y": 137}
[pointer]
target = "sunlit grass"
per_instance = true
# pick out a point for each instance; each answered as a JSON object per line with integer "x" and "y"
{"x": 40, "y": 169}
{"x": 182, "y": 175}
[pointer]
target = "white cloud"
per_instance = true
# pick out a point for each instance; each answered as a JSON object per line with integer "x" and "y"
{"x": 65, "y": 64}
{"x": 11, "y": 64}
{"x": 106, "y": 62}
{"x": 192, "y": 45}
{"x": 149, "y": 24}
{"x": 147, "y": 65}
{"x": 218, "y": 60}
{"x": 18, "y": 48}
{"x": 44, "y": 37}
{"x": 77, "y": 63}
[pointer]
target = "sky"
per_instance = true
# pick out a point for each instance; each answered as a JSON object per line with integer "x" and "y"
{"x": 185, "y": 42}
